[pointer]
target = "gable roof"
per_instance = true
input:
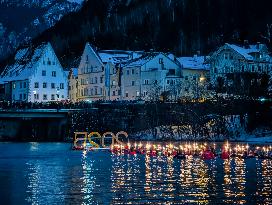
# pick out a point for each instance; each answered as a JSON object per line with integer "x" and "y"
{"x": 195, "y": 62}
{"x": 146, "y": 57}
{"x": 245, "y": 52}
{"x": 88, "y": 45}
{"x": 21, "y": 67}
{"x": 118, "y": 56}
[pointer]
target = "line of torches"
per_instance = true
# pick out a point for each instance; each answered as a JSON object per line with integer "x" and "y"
{"x": 192, "y": 149}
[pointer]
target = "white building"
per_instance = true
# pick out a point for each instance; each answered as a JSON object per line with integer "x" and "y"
{"x": 195, "y": 73}
{"x": 148, "y": 76}
{"x": 36, "y": 75}
{"x": 230, "y": 59}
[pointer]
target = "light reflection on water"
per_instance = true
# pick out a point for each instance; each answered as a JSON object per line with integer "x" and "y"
{"x": 53, "y": 174}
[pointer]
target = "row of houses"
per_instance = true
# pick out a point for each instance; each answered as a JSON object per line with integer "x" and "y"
{"x": 36, "y": 75}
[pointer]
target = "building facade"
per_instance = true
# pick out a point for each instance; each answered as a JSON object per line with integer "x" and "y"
{"x": 35, "y": 75}
{"x": 195, "y": 77}
{"x": 146, "y": 77}
{"x": 247, "y": 63}
{"x": 91, "y": 77}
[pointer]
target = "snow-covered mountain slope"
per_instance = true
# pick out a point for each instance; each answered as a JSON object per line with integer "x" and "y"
{"x": 21, "y": 20}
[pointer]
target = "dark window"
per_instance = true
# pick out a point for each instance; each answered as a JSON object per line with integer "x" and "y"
{"x": 132, "y": 83}
{"x": 36, "y": 85}
{"x": 43, "y": 72}
{"x": 62, "y": 86}
{"x": 113, "y": 93}
{"x": 24, "y": 84}
{"x": 243, "y": 68}
{"x": 21, "y": 85}
{"x": 54, "y": 74}
{"x": 21, "y": 96}
{"x": 171, "y": 72}
{"x": 24, "y": 96}
{"x": 126, "y": 94}
{"x": 160, "y": 61}
{"x": 52, "y": 85}
{"x": 52, "y": 97}
{"x": 44, "y": 85}
{"x": 132, "y": 71}
{"x": 48, "y": 61}
{"x": 127, "y": 72}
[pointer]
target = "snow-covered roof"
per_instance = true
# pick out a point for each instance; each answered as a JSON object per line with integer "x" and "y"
{"x": 136, "y": 62}
{"x": 21, "y": 67}
{"x": 195, "y": 62}
{"x": 246, "y": 51}
{"x": 118, "y": 56}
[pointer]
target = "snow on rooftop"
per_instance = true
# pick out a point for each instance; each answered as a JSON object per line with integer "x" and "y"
{"x": 195, "y": 62}
{"x": 22, "y": 66}
{"x": 118, "y": 56}
{"x": 141, "y": 60}
{"x": 244, "y": 51}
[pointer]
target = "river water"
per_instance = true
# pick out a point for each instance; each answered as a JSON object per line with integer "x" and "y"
{"x": 51, "y": 173}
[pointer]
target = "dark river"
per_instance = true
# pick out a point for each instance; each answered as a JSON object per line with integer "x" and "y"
{"x": 51, "y": 173}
